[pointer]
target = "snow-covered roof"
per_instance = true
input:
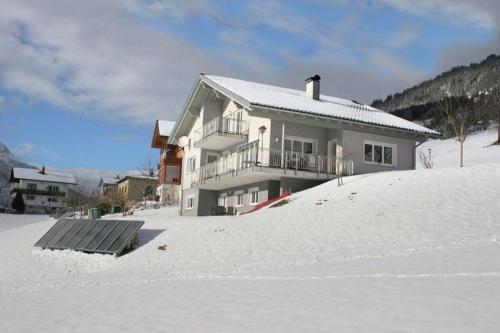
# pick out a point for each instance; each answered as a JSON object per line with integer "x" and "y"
{"x": 48, "y": 176}
{"x": 165, "y": 127}
{"x": 259, "y": 94}
{"x": 138, "y": 177}
{"x": 108, "y": 180}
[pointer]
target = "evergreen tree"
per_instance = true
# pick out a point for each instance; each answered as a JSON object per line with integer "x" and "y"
{"x": 18, "y": 203}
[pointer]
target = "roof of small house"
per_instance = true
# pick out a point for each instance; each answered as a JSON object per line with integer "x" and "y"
{"x": 258, "y": 94}
{"x": 137, "y": 177}
{"x": 108, "y": 181}
{"x": 51, "y": 176}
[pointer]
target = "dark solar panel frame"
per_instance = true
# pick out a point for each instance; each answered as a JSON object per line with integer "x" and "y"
{"x": 98, "y": 236}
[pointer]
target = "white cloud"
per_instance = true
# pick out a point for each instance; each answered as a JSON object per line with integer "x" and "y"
{"x": 23, "y": 150}
{"x": 482, "y": 13}
{"x": 91, "y": 56}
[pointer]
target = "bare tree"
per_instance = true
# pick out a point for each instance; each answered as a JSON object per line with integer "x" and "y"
{"x": 342, "y": 164}
{"x": 495, "y": 97}
{"x": 425, "y": 159}
{"x": 148, "y": 166}
{"x": 81, "y": 190}
{"x": 459, "y": 115}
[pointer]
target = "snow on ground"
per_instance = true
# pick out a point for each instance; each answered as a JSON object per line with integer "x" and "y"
{"x": 11, "y": 221}
{"x": 478, "y": 149}
{"x": 401, "y": 251}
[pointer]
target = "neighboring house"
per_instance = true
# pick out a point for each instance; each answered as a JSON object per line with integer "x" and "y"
{"x": 135, "y": 188}
{"x": 170, "y": 165}
{"x": 248, "y": 142}
{"x": 108, "y": 185}
{"x": 43, "y": 191}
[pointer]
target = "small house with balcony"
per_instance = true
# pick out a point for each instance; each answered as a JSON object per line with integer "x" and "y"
{"x": 44, "y": 191}
{"x": 246, "y": 142}
{"x": 170, "y": 163}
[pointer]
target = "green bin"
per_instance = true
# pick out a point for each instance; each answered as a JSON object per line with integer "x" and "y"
{"x": 94, "y": 213}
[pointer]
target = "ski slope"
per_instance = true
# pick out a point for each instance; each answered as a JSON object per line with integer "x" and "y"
{"x": 403, "y": 251}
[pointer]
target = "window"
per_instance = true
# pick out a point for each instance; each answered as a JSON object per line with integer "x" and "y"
{"x": 189, "y": 202}
{"x": 52, "y": 199}
{"x": 300, "y": 145}
{"x": 192, "y": 164}
{"x": 31, "y": 187}
{"x": 380, "y": 153}
{"x": 173, "y": 173}
{"x": 239, "y": 199}
{"x": 30, "y": 197}
{"x": 254, "y": 197}
{"x": 211, "y": 158}
{"x": 53, "y": 188}
{"x": 222, "y": 200}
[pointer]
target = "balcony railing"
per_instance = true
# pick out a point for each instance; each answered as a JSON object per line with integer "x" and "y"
{"x": 221, "y": 126}
{"x": 275, "y": 159}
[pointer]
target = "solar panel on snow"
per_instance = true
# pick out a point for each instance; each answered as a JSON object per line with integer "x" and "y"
{"x": 99, "y": 236}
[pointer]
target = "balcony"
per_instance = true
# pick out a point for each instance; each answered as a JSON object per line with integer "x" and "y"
{"x": 256, "y": 165}
{"x": 221, "y": 133}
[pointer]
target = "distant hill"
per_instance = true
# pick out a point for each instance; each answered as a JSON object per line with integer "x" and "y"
{"x": 7, "y": 162}
{"x": 419, "y": 102}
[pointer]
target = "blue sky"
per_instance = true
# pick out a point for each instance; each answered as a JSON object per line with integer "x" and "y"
{"x": 82, "y": 83}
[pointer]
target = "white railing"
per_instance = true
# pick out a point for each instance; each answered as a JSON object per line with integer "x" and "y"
{"x": 222, "y": 126}
{"x": 256, "y": 157}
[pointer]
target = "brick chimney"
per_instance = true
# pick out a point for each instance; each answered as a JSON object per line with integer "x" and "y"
{"x": 42, "y": 171}
{"x": 312, "y": 87}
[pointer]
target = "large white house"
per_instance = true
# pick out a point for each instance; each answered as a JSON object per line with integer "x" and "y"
{"x": 43, "y": 191}
{"x": 246, "y": 142}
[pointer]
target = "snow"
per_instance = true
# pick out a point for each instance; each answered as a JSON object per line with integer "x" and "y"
{"x": 399, "y": 251}
{"x": 296, "y": 100}
{"x": 48, "y": 176}
{"x": 478, "y": 149}
{"x": 165, "y": 127}
{"x": 9, "y": 221}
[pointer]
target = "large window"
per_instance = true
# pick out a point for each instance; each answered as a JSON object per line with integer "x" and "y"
{"x": 173, "y": 173}
{"x": 254, "y": 197}
{"x": 31, "y": 187}
{"x": 300, "y": 145}
{"x": 380, "y": 153}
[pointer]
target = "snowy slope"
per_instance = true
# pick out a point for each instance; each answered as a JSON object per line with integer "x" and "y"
{"x": 402, "y": 251}
{"x": 477, "y": 150}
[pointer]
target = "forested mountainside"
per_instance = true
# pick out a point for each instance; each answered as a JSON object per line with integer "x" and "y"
{"x": 419, "y": 102}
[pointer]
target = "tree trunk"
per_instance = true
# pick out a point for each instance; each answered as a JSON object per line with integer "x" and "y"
{"x": 461, "y": 153}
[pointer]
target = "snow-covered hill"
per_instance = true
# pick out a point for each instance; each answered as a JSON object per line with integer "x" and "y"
{"x": 401, "y": 251}
{"x": 478, "y": 149}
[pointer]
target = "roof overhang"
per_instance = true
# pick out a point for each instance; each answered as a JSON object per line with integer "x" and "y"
{"x": 343, "y": 121}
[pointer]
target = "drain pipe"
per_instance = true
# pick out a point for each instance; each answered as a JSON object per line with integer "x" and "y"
{"x": 415, "y": 152}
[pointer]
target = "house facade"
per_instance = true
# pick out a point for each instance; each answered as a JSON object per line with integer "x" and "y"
{"x": 170, "y": 164}
{"x": 135, "y": 188}
{"x": 245, "y": 142}
{"x": 108, "y": 186}
{"x": 44, "y": 191}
